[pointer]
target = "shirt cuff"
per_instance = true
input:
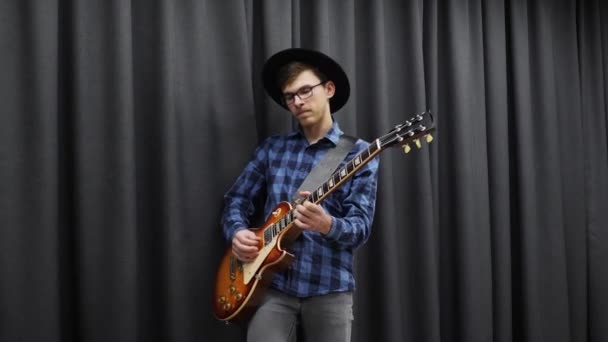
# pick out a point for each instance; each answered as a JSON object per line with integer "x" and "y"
{"x": 334, "y": 230}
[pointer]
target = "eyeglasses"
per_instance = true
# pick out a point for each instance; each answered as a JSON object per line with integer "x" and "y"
{"x": 303, "y": 93}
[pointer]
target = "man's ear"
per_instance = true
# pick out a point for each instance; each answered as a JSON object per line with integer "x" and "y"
{"x": 330, "y": 89}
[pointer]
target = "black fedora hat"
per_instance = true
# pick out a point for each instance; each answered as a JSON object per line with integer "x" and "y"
{"x": 322, "y": 62}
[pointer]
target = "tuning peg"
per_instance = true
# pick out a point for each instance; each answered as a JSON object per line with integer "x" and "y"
{"x": 417, "y": 142}
{"x": 406, "y": 148}
{"x": 429, "y": 138}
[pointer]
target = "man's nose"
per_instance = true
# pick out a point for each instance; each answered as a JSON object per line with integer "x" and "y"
{"x": 297, "y": 100}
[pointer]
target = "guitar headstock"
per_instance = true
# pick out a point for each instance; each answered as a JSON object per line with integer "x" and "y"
{"x": 411, "y": 131}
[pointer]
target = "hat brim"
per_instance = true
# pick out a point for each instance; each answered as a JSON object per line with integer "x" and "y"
{"x": 324, "y": 63}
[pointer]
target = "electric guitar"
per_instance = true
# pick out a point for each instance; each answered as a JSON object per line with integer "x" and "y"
{"x": 239, "y": 285}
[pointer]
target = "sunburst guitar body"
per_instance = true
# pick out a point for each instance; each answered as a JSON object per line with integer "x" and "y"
{"x": 239, "y": 285}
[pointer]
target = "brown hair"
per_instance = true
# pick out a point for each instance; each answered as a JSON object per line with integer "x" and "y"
{"x": 290, "y": 71}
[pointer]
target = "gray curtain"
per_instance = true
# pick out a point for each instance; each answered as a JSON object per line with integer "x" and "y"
{"x": 123, "y": 122}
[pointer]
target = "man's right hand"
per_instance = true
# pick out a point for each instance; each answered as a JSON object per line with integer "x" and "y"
{"x": 245, "y": 245}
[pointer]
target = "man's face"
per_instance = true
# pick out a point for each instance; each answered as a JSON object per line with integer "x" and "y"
{"x": 314, "y": 107}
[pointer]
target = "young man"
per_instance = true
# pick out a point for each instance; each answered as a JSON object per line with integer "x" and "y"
{"x": 315, "y": 292}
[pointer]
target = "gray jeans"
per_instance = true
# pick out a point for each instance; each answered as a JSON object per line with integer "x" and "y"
{"x": 282, "y": 318}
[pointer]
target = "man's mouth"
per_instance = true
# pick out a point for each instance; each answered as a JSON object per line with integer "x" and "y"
{"x": 301, "y": 112}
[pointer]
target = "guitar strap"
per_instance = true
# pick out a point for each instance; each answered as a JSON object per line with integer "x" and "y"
{"x": 330, "y": 162}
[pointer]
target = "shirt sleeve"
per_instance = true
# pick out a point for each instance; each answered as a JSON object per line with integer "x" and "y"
{"x": 239, "y": 201}
{"x": 353, "y": 227}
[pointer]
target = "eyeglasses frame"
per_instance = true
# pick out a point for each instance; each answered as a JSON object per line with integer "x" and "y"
{"x": 296, "y": 93}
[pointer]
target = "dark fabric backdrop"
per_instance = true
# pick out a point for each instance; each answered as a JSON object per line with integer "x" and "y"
{"x": 123, "y": 122}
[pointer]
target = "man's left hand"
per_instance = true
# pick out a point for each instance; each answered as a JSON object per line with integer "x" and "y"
{"x": 311, "y": 216}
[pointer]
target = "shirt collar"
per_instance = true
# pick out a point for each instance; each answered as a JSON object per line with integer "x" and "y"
{"x": 333, "y": 135}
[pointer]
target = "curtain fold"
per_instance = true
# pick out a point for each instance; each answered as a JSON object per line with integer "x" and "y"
{"x": 123, "y": 123}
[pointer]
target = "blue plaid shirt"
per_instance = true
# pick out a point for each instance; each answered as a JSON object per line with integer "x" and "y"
{"x": 323, "y": 263}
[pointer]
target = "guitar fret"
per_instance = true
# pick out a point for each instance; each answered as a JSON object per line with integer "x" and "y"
{"x": 350, "y": 167}
{"x": 366, "y": 153}
{"x": 313, "y": 196}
